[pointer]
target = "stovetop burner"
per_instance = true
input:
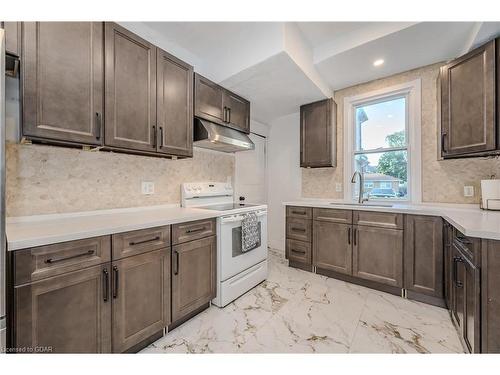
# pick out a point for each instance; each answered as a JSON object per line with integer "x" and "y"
{"x": 227, "y": 206}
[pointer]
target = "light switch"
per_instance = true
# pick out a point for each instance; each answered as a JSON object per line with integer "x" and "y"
{"x": 468, "y": 191}
{"x": 338, "y": 187}
{"x": 147, "y": 187}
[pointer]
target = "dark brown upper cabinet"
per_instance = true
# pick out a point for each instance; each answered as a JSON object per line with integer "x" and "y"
{"x": 423, "y": 257}
{"x": 470, "y": 103}
{"x": 318, "y": 134}
{"x": 215, "y": 103}
{"x": 130, "y": 90}
{"x": 63, "y": 81}
{"x": 174, "y": 105}
{"x": 12, "y": 37}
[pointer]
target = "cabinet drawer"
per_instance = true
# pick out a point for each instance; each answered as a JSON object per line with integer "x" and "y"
{"x": 299, "y": 212}
{"x": 298, "y": 251}
{"x": 140, "y": 241}
{"x": 333, "y": 215}
{"x": 469, "y": 246}
{"x": 52, "y": 260}
{"x": 192, "y": 230}
{"x": 378, "y": 219}
{"x": 299, "y": 229}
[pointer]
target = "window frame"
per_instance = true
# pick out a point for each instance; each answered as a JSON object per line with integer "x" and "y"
{"x": 412, "y": 92}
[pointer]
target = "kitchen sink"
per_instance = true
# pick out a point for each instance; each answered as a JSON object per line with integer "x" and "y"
{"x": 362, "y": 204}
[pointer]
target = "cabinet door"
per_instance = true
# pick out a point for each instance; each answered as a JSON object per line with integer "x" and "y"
{"x": 193, "y": 276}
{"x": 130, "y": 90}
{"x": 424, "y": 255}
{"x": 208, "y": 100}
{"x": 63, "y": 81}
{"x": 468, "y": 103}
{"x": 141, "y": 298}
{"x": 12, "y": 37}
{"x": 332, "y": 248}
{"x": 458, "y": 294}
{"x": 448, "y": 263}
{"x": 378, "y": 255}
{"x": 472, "y": 308}
{"x": 237, "y": 111}
{"x": 317, "y": 134}
{"x": 70, "y": 313}
{"x": 490, "y": 297}
{"x": 174, "y": 105}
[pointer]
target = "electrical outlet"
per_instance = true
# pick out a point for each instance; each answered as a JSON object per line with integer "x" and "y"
{"x": 147, "y": 187}
{"x": 468, "y": 191}
{"x": 338, "y": 187}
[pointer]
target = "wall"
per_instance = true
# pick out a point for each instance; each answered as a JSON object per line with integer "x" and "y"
{"x": 284, "y": 174}
{"x": 442, "y": 181}
{"x": 46, "y": 179}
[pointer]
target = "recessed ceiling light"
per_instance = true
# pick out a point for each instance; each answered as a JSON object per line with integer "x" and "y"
{"x": 378, "y": 62}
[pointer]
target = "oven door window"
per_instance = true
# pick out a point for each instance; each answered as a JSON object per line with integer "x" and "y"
{"x": 236, "y": 241}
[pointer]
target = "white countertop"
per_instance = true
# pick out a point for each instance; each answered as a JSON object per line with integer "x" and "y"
{"x": 468, "y": 219}
{"x": 38, "y": 230}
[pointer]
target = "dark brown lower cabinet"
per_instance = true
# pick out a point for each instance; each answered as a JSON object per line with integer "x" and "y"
{"x": 423, "y": 258}
{"x": 332, "y": 246}
{"x": 193, "y": 276}
{"x": 141, "y": 298}
{"x": 378, "y": 255}
{"x": 490, "y": 297}
{"x": 298, "y": 251}
{"x": 70, "y": 313}
{"x": 447, "y": 241}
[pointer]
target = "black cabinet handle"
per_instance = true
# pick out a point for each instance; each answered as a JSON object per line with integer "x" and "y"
{"x": 133, "y": 243}
{"x": 229, "y": 111}
{"x": 298, "y": 229}
{"x": 115, "y": 282}
{"x": 176, "y": 270}
{"x": 298, "y": 212}
{"x": 224, "y": 114}
{"x": 298, "y": 251}
{"x": 98, "y": 125}
{"x": 349, "y": 235}
{"x": 355, "y": 235}
{"x": 161, "y": 136}
{"x": 55, "y": 260}
{"x": 443, "y": 148}
{"x": 457, "y": 260}
{"x": 189, "y": 231}
{"x": 154, "y": 136}
{"x": 105, "y": 274}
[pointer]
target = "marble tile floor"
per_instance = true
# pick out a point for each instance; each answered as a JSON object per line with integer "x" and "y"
{"x": 295, "y": 311}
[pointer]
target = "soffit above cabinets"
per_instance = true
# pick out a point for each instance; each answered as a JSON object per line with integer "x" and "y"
{"x": 281, "y": 65}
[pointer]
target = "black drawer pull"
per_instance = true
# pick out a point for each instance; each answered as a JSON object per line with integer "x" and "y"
{"x": 176, "y": 270}
{"x": 299, "y": 212}
{"x": 105, "y": 284}
{"x": 52, "y": 260}
{"x": 298, "y": 229}
{"x": 189, "y": 231}
{"x": 133, "y": 243}
{"x": 457, "y": 260}
{"x": 298, "y": 251}
{"x": 115, "y": 282}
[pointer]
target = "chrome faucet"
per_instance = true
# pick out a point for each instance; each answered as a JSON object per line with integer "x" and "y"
{"x": 361, "y": 200}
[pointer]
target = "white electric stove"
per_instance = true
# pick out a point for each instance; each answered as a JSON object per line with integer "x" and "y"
{"x": 237, "y": 271}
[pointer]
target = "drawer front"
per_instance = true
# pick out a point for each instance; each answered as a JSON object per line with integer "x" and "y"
{"x": 140, "y": 241}
{"x": 299, "y": 229}
{"x": 469, "y": 246}
{"x": 51, "y": 260}
{"x": 299, "y": 251}
{"x": 378, "y": 219}
{"x": 299, "y": 212}
{"x": 193, "y": 230}
{"x": 333, "y": 215}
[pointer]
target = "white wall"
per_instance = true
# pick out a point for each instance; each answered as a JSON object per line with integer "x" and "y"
{"x": 284, "y": 174}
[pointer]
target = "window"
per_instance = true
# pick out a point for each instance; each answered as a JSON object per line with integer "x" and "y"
{"x": 383, "y": 143}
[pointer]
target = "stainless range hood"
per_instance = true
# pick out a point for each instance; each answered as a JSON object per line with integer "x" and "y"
{"x": 220, "y": 138}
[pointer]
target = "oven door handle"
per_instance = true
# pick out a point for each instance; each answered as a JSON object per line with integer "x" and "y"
{"x": 232, "y": 219}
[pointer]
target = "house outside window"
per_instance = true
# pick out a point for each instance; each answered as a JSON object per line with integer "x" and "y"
{"x": 383, "y": 143}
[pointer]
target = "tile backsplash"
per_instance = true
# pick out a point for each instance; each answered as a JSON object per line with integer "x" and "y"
{"x": 442, "y": 180}
{"x": 47, "y": 179}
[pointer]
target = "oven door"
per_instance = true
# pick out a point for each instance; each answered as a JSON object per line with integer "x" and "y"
{"x": 232, "y": 259}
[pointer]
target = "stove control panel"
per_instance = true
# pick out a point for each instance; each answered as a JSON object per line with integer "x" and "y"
{"x": 190, "y": 190}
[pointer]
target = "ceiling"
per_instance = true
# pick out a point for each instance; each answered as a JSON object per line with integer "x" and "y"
{"x": 280, "y": 65}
